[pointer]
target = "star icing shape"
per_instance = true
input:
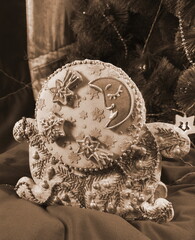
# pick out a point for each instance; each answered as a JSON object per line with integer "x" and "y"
{"x": 185, "y": 123}
{"x": 98, "y": 114}
{"x": 61, "y": 92}
{"x": 83, "y": 115}
{"x": 88, "y": 147}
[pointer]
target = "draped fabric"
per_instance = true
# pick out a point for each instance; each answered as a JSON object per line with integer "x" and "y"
{"x": 21, "y": 220}
{"x": 48, "y": 32}
{"x": 16, "y": 96}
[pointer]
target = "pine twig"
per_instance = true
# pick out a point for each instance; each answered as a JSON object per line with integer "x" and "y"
{"x": 152, "y": 27}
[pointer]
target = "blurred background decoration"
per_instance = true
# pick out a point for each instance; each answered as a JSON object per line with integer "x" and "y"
{"x": 153, "y": 41}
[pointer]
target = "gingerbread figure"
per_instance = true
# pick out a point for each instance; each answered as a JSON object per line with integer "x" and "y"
{"x": 90, "y": 145}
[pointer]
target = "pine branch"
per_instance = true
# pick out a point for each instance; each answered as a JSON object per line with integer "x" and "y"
{"x": 40, "y": 167}
{"x": 145, "y": 8}
{"x": 161, "y": 85}
{"x": 189, "y": 33}
{"x": 172, "y": 139}
{"x": 170, "y": 6}
{"x": 187, "y": 9}
{"x": 185, "y": 90}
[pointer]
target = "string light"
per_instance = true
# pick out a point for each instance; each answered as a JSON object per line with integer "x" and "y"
{"x": 115, "y": 29}
{"x": 183, "y": 39}
{"x": 118, "y": 33}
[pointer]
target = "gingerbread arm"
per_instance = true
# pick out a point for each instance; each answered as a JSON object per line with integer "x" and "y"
{"x": 24, "y": 129}
{"x": 160, "y": 211}
{"x": 172, "y": 141}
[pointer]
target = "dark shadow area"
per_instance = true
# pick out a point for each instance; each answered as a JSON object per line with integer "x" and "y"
{"x": 16, "y": 97}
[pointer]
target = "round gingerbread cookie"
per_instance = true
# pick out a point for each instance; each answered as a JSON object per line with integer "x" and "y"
{"x": 89, "y": 113}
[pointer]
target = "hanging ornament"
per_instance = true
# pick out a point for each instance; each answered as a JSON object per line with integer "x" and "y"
{"x": 142, "y": 67}
{"x": 139, "y": 63}
{"x": 185, "y": 123}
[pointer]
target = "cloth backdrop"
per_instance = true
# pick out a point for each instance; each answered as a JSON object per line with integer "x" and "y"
{"x": 48, "y": 32}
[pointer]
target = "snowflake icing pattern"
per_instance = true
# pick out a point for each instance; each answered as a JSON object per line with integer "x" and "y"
{"x": 131, "y": 129}
{"x": 41, "y": 104}
{"x": 51, "y": 128}
{"x": 96, "y": 70}
{"x": 83, "y": 115}
{"x": 96, "y": 133}
{"x": 74, "y": 157}
{"x": 98, "y": 114}
{"x": 93, "y": 93}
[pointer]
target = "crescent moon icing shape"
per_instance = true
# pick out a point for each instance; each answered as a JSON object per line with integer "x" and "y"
{"x": 118, "y": 99}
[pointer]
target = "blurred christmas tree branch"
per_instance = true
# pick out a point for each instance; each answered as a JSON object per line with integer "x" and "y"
{"x": 159, "y": 37}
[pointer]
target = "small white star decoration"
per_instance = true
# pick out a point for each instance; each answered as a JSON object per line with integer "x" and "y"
{"x": 185, "y": 123}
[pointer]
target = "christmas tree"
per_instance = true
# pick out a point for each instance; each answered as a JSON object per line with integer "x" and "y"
{"x": 152, "y": 41}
